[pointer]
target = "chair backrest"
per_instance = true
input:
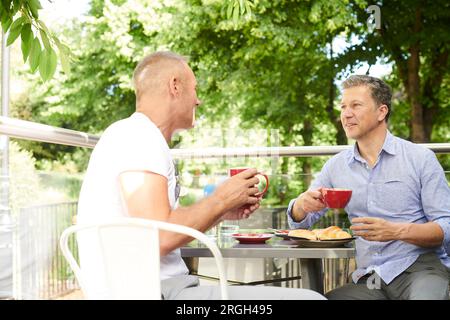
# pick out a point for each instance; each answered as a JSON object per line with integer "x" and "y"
{"x": 128, "y": 249}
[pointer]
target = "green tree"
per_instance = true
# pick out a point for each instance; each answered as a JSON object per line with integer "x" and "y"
{"x": 273, "y": 66}
{"x": 415, "y": 36}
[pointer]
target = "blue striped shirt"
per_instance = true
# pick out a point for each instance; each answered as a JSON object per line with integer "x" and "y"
{"x": 407, "y": 184}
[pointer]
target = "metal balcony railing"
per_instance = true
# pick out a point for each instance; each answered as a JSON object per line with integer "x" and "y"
{"x": 38, "y": 132}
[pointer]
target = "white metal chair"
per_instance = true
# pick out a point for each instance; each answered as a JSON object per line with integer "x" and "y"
{"x": 129, "y": 249}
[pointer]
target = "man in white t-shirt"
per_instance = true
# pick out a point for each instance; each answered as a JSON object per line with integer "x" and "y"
{"x": 131, "y": 174}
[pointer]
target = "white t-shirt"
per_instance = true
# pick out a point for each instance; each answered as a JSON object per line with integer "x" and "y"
{"x": 134, "y": 143}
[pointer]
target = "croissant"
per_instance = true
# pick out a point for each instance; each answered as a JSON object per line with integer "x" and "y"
{"x": 317, "y": 232}
{"x": 330, "y": 233}
{"x": 333, "y": 232}
{"x": 303, "y": 233}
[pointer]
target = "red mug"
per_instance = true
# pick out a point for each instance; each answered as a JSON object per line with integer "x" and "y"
{"x": 336, "y": 198}
{"x": 235, "y": 171}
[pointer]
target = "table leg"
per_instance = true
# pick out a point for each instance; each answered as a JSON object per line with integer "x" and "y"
{"x": 191, "y": 264}
{"x": 312, "y": 274}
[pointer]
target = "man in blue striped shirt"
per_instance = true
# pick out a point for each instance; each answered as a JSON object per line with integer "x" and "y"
{"x": 399, "y": 209}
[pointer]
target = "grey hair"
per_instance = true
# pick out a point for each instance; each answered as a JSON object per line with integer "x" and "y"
{"x": 149, "y": 69}
{"x": 380, "y": 91}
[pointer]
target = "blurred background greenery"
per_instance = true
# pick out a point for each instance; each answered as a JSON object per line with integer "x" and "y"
{"x": 268, "y": 74}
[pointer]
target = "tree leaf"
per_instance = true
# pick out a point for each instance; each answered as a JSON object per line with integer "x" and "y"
{"x": 64, "y": 56}
{"x": 44, "y": 39}
{"x": 25, "y": 49}
{"x": 6, "y": 22}
{"x": 34, "y": 6}
{"x": 27, "y": 40}
{"x": 35, "y": 54}
{"x": 248, "y": 8}
{"x": 53, "y": 63}
{"x": 236, "y": 13}
{"x": 26, "y": 33}
{"x": 47, "y": 65}
{"x": 65, "y": 64}
{"x": 43, "y": 65}
{"x": 43, "y": 26}
{"x": 17, "y": 22}
{"x": 37, "y": 3}
{"x": 230, "y": 9}
{"x": 16, "y": 6}
{"x": 15, "y": 29}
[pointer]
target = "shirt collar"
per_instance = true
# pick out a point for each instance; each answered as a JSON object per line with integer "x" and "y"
{"x": 389, "y": 144}
{"x": 388, "y": 147}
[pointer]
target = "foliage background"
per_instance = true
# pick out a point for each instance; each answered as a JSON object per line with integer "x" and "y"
{"x": 267, "y": 78}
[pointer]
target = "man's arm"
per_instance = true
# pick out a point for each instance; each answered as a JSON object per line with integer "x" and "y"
{"x": 146, "y": 196}
{"x": 426, "y": 235}
{"x": 308, "y": 208}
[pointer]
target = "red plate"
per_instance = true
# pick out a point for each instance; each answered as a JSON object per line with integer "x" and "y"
{"x": 252, "y": 238}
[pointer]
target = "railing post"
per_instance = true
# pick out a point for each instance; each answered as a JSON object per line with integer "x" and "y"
{"x": 6, "y": 239}
{"x": 4, "y": 143}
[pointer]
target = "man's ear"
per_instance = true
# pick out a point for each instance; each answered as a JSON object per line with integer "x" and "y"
{"x": 174, "y": 86}
{"x": 384, "y": 111}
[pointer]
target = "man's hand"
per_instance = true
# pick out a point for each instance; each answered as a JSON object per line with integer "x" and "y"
{"x": 238, "y": 191}
{"x": 308, "y": 201}
{"x": 377, "y": 229}
{"x": 311, "y": 201}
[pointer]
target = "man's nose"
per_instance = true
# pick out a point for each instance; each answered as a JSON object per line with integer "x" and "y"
{"x": 198, "y": 103}
{"x": 347, "y": 113}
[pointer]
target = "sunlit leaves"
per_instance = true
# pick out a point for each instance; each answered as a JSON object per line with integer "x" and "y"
{"x": 14, "y": 30}
{"x": 64, "y": 55}
{"x": 238, "y": 8}
{"x": 26, "y": 40}
{"x": 34, "y": 6}
{"x": 38, "y": 44}
{"x": 35, "y": 54}
{"x": 47, "y": 65}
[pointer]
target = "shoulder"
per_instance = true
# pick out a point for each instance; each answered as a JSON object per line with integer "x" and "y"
{"x": 340, "y": 158}
{"x": 134, "y": 128}
{"x": 420, "y": 157}
{"x": 413, "y": 151}
{"x": 132, "y": 124}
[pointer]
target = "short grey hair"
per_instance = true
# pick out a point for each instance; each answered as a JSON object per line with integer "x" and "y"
{"x": 381, "y": 92}
{"x": 149, "y": 69}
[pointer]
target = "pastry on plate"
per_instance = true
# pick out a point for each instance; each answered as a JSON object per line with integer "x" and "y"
{"x": 303, "y": 233}
{"x": 333, "y": 233}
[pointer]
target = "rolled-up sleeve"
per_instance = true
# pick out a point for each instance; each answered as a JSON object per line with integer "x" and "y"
{"x": 444, "y": 223}
{"x": 436, "y": 197}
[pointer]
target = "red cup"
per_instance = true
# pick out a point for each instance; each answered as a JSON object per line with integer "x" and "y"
{"x": 235, "y": 171}
{"x": 336, "y": 198}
